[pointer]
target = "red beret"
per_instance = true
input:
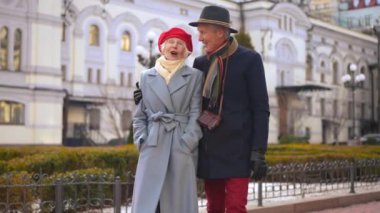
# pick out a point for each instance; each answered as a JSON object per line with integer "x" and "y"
{"x": 176, "y": 32}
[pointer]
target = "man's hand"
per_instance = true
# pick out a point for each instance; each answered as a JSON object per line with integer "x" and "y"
{"x": 258, "y": 165}
{"x": 137, "y": 94}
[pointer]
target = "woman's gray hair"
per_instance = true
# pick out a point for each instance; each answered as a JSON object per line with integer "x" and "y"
{"x": 185, "y": 54}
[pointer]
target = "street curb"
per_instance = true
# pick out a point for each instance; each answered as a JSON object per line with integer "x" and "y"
{"x": 317, "y": 204}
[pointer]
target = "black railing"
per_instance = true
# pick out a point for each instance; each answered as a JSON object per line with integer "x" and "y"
{"x": 78, "y": 193}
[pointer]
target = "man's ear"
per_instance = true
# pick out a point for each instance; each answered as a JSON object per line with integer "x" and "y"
{"x": 220, "y": 33}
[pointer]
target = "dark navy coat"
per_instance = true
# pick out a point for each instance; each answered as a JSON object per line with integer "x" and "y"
{"x": 225, "y": 151}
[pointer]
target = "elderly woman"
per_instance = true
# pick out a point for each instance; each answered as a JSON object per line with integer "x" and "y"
{"x": 166, "y": 131}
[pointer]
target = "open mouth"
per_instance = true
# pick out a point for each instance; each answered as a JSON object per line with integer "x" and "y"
{"x": 174, "y": 53}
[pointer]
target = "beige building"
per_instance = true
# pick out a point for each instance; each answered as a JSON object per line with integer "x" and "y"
{"x": 68, "y": 68}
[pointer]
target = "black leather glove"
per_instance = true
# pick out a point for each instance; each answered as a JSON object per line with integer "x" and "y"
{"x": 258, "y": 165}
{"x": 137, "y": 94}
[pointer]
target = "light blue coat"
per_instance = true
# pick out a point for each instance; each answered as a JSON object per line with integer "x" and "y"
{"x": 167, "y": 134}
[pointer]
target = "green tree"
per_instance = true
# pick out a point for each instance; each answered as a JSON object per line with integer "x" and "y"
{"x": 244, "y": 39}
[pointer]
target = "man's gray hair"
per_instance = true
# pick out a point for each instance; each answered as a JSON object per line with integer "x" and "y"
{"x": 227, "y": 31}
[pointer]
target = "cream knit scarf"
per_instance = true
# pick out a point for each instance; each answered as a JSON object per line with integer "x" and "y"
{"x": 167, "y": 68}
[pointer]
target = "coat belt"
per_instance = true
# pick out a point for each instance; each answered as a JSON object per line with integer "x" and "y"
{"x": 160, "y": 120}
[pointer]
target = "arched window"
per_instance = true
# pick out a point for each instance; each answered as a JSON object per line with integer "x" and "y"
{"x": 335, "y": 67}
{"x": 3, "y": 48}
{"x": 17, "y": 50}
{"x": 94, "y": 35}
{"x": 12, "y": 113}
{"x": 309, "y": 68}
{"x": 322, "y": 72}
{"x": 126, "y": 42}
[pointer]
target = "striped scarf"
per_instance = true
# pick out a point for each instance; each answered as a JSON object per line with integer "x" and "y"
{"x": 213, "y": 83}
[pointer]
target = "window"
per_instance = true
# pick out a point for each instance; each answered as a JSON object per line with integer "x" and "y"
{"x": 17, "y": 51}
{"x": 183, "y": 11}
{"x": 322, "y": 72}
{"x": 309, "y": 68}
{"x": 94, "y": 119}
{"x": 322, "y": 78}
{"x": 362, "y": 110}
{"x": 130, "y": 80}
{"x": 335, "y": 108}
{"x": 356, "y": 3}
{"x": 282, "y": 83}
{"x": 98, "y": 76}
{"x": 3, "y": 48}
{"x": 11, "y": 113}
{"x": 368, "y": 19}
{"x": 89, "y": 75}
{"x": 285, "y": 23}
{"x": 309, "y": 105}
{"x": 350, "y": 132}
{"x": 322, "y": 107}
{"x": 63, "y": 70}
{"x": 63, "y": 32}
{"x": 291, "y": 25}
{"x": 122, "y": 79}
{"x": 94, "y": 35}
{"x": 363, "y": 83}
{"x": 126, "y": 42}
{"x": 335, "y": 72}
{"x": 126, "y": 120}
{"x": 336, "y": 134}
{"x": 307, "y": 132}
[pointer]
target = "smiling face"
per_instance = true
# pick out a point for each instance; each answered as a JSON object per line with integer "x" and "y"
{"x": 174, "y": 49}
{"x": 211, "y": 36}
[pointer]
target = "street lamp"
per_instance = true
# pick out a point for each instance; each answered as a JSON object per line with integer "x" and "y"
{"x": 352, "y": 82}
{"x": 150, "y": 59}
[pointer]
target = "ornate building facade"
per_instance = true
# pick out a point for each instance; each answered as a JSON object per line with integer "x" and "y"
{"x": 68, "y": 68}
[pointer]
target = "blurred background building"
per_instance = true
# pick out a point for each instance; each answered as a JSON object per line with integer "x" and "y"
{"x": 68, "y": 68}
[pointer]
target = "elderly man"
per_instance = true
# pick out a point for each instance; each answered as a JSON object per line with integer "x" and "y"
{"x": 235, "y": 89}
{"x": 235, "y": 128}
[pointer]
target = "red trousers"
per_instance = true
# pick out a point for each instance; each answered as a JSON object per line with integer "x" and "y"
{"x": 226, "y": 195}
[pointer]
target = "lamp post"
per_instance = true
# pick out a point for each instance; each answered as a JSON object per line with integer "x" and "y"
{"x": 144, "y": 58}
{"x": 151, "y": 35}
{"x": 352, "y": 82}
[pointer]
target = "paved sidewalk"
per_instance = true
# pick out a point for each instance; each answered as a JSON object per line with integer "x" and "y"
{"x": 353, "y": 203}
{"x": 372, "y": 207}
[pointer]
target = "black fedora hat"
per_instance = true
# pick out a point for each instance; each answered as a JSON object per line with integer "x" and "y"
{"x": 214, "y": 15}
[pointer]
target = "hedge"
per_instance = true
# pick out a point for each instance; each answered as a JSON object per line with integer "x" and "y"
{"x": 51, "y": 160}
{"x": 120, "y": 159}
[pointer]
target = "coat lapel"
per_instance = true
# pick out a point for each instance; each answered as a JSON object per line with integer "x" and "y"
{"x": 179, "y": 79}
{"x": 158, "y": 86}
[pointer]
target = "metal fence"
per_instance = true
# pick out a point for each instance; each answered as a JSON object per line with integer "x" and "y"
{"x": 105, "y": 193}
